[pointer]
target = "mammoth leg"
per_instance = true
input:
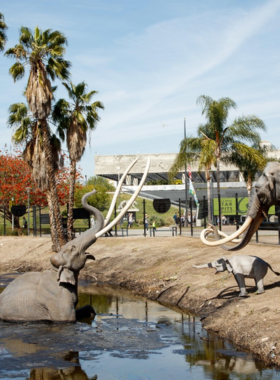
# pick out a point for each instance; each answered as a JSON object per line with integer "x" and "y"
{"x": 86, "y": 311}
{"x": 259, "y": 285}
{"x": 241, "y": 283}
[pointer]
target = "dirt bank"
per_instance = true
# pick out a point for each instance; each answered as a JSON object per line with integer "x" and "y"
{"x": 161, "y": 269}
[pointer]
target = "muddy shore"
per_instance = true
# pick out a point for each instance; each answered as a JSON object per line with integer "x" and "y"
{"x": 161, "y": 269}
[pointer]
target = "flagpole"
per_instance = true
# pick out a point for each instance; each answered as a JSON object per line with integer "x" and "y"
{"x": 186, "y": 180}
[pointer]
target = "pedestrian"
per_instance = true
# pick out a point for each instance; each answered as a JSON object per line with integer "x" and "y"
{"x": 130, "y": 220}
{"x": 189, "y": 219}
{"x": 154, "y": 225}
{"x": 146, "y": 222}
{"x": 182, "y": 220}
{"x": 175, "y": 218}
{"x": 24, "y": 223}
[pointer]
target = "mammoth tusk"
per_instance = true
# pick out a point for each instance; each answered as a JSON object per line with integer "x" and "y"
{"x": 224, "y": 235}
{"x": 128, "y": 204}
{"x": 213, "y": 230}
{"x": 115, "y": 197}
{"x": 205, "y": 233}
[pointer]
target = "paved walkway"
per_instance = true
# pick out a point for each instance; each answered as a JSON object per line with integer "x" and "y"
{"x": 265, "y": 237}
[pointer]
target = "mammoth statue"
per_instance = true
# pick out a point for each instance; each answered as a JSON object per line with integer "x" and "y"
{"x": 265, "y": 194}
{"x": 52, "y": 295}
{"x": 242, "y": 267}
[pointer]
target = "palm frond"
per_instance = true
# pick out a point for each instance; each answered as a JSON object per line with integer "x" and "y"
{"x": 26, "y": 37}
{"x": 3, "y": 35}
{"x": 17, "y": 71}
{"x": 17, "y": 111}
{"x": 58, "y": 68}
{"x": 87, "y": 97}
{"x": 17, "y": 52}
{"x": 204, "y": 101}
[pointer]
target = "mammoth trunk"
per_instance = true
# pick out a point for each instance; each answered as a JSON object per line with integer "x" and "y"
{"x": 256, "y": 213}
{"x": 88, "y": 237}
{"x": 209, "y": 265}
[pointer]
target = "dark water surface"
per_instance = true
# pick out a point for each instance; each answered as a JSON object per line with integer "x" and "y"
{"x": 130, "y": 338}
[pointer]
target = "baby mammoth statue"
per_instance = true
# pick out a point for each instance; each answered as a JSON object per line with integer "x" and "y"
{"x": 242, "y": 266}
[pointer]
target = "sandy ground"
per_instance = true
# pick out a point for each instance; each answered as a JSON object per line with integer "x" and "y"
{"x": 161, "y": 269}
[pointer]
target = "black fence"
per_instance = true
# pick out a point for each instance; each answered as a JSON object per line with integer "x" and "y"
{"x": 37, "y": 222}
{"x": 223, "y": 212}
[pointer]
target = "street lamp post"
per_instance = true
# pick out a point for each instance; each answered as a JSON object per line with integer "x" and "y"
{"x": 28, "y": 224}
{"x": 118, "y": 169}
{"x": 13, "y": 218}
{"x": 186, "y": 180}
{"x": 210, "y": 200}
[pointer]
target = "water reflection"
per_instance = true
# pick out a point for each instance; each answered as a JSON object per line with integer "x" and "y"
{"x": 130, "y": 338}
{"x": 72, "y": 373}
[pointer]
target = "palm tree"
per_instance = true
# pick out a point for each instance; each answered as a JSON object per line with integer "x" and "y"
{"x": 28, "y": 132}
{"x": 196, "y": 149}
{"x": 222, "y": 136}
{"x": 43, "y": 53}
{"x": 3, "y": 36}
{"x": 216, "y": 141}
{"x": 74, "y": 121}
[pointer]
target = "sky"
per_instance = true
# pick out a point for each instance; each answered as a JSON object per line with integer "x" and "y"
{"x": 150, "y": 60}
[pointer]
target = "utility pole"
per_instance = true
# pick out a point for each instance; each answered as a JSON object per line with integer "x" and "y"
{"x": 186, "y": 179}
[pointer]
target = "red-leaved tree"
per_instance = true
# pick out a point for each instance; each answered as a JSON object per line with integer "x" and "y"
{"x": 16, "y": 177}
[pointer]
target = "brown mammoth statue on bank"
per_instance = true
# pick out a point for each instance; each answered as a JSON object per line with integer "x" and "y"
{"x": 265, "y": 194}
{"x": 52, "y": 295}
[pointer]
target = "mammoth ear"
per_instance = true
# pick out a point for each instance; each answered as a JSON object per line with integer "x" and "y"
{"x": 228, "y": 264}
{"x": 66, "y": 275}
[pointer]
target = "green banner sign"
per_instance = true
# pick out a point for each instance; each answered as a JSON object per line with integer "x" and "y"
{"x": 228, "y": 206}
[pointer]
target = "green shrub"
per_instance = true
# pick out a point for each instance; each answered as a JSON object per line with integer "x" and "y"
{"x": 159, "y": 221}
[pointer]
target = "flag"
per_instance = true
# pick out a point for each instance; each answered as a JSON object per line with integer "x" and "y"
{"x": 192, "y": 191}
{"x": 190, "y": 171}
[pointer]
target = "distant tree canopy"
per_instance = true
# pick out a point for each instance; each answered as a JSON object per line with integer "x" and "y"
{"x": 100, "y": 181}
{"x": 100, "y": 200}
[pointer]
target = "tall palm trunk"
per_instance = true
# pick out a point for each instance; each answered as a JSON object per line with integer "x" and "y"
{"x": 218, "y": 190}
{"x": 54, "y": 234}
{"x": 70, "y": 220}
{"x": 52, "y": 184}
{"x": 249, "y": 185}
{"x": 209, "y": 196}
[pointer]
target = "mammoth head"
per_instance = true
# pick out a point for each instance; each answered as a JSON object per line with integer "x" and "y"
{"x": 265, "y": 194}
{"x": 268, "y": 185}
{"x": 70, "y": 260}
{"x": 221, "y": 265}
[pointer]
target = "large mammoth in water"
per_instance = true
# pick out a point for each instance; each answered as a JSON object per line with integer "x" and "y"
{"x": 52, "y": 295}
{"x": 265, "y": 194}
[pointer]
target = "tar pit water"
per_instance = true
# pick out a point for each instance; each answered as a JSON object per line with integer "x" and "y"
{"x": 130, "y": 338}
